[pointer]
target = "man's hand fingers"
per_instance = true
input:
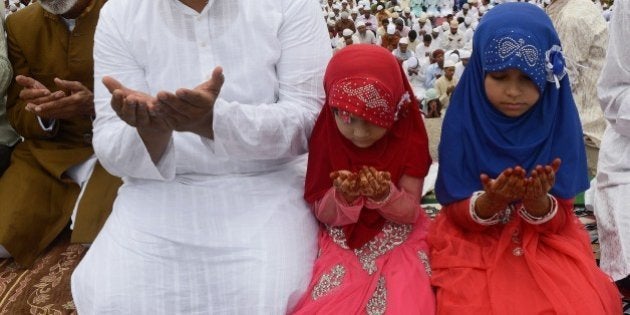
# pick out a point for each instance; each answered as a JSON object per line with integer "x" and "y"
{"x": 215, "y": 83}
{"x": 29, "y": 82}
{"x": 112, "y": 84}
{"x": 73, "y": 86}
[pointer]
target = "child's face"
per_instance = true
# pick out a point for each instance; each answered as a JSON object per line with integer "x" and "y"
{"x": 360, "y": 132}
{"x": 511, "y": 91}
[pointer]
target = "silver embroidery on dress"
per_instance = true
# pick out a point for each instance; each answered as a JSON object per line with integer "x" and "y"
{"x": 424, "y": 258}
{"x": 378, "y": 302}
{"x": 328, "y": 281}
{"x": 392, "y": 235}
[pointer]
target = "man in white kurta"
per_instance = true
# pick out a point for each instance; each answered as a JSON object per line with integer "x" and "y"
{"x": 218, "y": 224}
{"x": 612, "y": 206}
{"x": 584, "y": 35}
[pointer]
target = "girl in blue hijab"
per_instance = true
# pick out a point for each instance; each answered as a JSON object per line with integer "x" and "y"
{"x": 511, "y": 161}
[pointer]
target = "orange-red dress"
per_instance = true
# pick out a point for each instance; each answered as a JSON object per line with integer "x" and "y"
{"x": 517, "y": 267}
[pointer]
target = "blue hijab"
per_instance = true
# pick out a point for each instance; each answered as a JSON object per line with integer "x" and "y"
{"x": 477, "y": 138}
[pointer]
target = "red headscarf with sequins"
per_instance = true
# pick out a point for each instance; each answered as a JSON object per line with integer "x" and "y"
{"x": 367, "y": 82}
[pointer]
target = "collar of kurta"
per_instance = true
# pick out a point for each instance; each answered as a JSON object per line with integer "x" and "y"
{"x": 87, "y": 10}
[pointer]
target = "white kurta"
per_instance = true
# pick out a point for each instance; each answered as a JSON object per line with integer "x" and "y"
{"x": 217, "y": 227}
{"x": 584, "y": 35}
{"x": 611, "y": 201}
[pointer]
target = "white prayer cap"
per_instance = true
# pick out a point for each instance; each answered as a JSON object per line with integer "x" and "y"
{"x": 347, "y": 32}
{"x": 336, "y": 6}
{"x": 466, "y": 6}
{"x": 374, "y": 2}
{"x": 431, "y": 94}
{"x": 547, "y": 2}
{"x": 344, "y": 1}
{"x": 404, "y": 40}
{"x": 483, "y": 10}
{"x": 454, "y": 24}
{"x": 359, "y": 7}
{"x": 436, "y": 30}
{"x": 391, "y": 29}
{"x": 379, "y": 8}
{"x": 355, "y": 10}
{"x": 445, "y": 25}
{"x": 430, "y": 15}
{"x": 422, "y": 18}
{"x": 395, "y": 15}
{"x": 464, "y": 54}
{"x": 343, "y": 14}
{"x": 467, "y": 20}
{"x": 411, "y": 62}
{"x": 397, "y": 9}
{"x": 448, "y": 63}
{"x": 12, "y": 7}
{"x": 331, "y": 15}
{"x": 407, "y": 10}
{"x": 331, "y": 23}
{"x": 359, "y": 24}
{"x": 472, "y": 1}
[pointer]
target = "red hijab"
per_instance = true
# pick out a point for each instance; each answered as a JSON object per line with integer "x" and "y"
{"x": 367, "y": 82}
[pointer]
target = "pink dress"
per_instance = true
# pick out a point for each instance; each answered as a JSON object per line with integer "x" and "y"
{"x": 516, "y": 267}
{"x": 388, "y": 275}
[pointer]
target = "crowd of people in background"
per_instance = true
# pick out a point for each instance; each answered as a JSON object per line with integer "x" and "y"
{"x": 431, "y": 38}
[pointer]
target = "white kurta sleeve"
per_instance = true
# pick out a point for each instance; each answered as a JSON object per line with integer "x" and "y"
{"x": 614, "y": 83}
{"x": 280, "y": 129}
{"x": 117, "y": 145}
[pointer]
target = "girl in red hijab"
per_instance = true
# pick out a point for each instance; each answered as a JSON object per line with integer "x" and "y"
{"x": 367, "y": 161}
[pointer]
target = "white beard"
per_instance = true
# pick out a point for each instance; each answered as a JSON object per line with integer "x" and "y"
{"x": 57, "y": 6}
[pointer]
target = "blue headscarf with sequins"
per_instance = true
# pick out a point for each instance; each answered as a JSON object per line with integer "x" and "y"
{"x": 477, "y": 138}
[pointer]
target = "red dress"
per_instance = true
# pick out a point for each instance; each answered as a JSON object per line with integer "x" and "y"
{"x": 517, "y": 267}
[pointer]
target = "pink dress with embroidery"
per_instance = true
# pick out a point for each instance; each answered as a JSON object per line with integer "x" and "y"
{"x": 388, "y": 275}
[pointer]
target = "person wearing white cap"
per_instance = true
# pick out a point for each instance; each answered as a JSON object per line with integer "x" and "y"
{"x": 413, "y": 71}
{"x": 390, "y": 39}
{"x": 363, "y": 35}
{"x": 454, "y": 38}
{"x": 369, "y": 19}
{"x": 408, "y": 17}
{"x": 402, "y": 29}
{"x": 347, "y": 38}
{"x": 381, "y": 14}
{"x": 445, "y": 84}
{"x": 424, "y": 24}
{"x": 344, "y": 22}
{"x": 402, "y": 53}
{"x": 464, "y": 57}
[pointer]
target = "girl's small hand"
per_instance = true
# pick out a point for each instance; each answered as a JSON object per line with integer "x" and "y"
{"x": 346, "y": 183}
{"x": 374, "y": 184}
{"x": 538, "y": 185}
{"x": 508, "y": 187}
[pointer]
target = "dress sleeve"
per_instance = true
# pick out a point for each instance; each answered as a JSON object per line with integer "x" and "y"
{"x": 403, "y": 204}
{"x": 332, "y": 210}
{"x": 459, "y": 213}
{"x": 117, "y": 145}
{"x": 565, "y": 209}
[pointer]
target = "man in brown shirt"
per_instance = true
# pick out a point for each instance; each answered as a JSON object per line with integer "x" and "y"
{"x": 50, "y": 104}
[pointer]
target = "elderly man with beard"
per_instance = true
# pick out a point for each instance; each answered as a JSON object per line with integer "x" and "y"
{"x": 50, "y": 104}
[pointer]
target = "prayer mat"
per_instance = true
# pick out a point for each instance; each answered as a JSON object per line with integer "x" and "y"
{"x": 44, "y": 287}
